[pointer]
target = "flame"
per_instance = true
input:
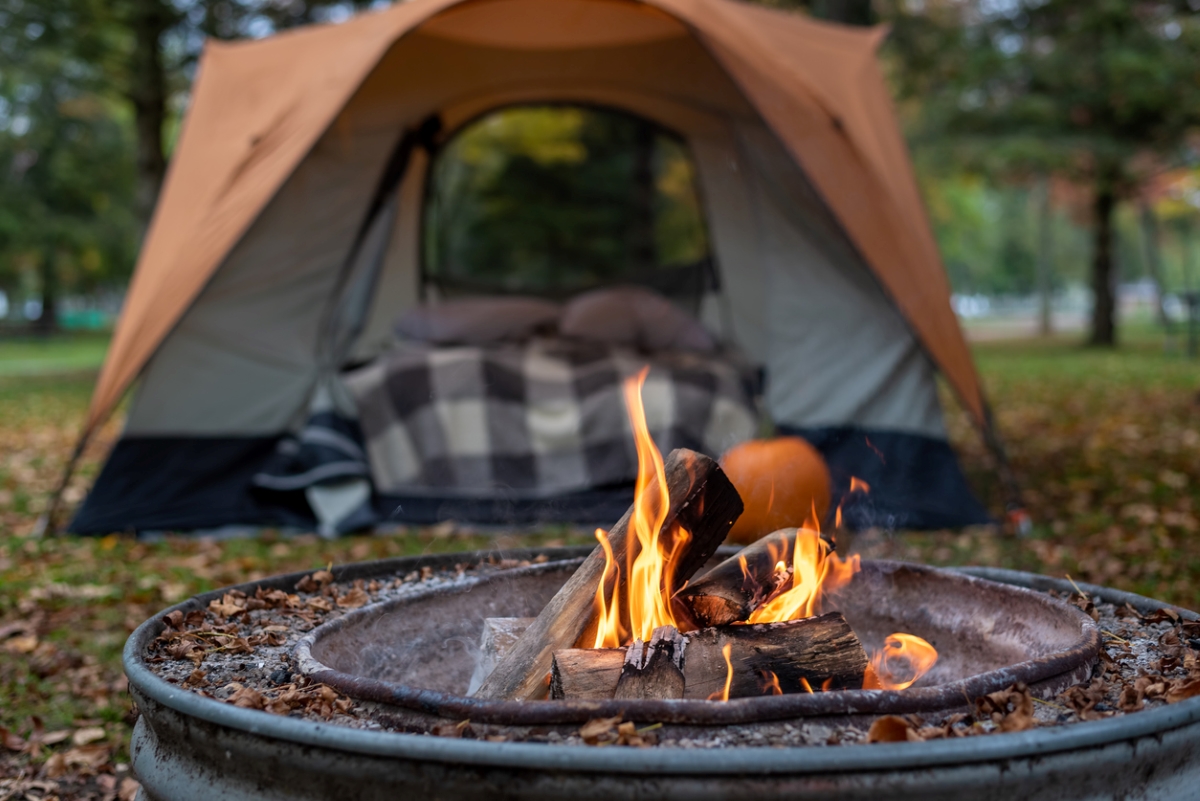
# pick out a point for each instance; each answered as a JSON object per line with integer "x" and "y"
{"x": 807, "y": 687}
{"x": 649, "y": 570}
{"x": 816, "y": 571}
{"x": 856, "y": 485}
{"x": 608, "y": 612}
{"x": 726, "y": 650}
{"x": 649, "y": 565}
{"x": 903, "y": 659}
{"x": 770, "y": 684}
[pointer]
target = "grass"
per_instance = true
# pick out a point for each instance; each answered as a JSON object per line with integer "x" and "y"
{"x": 1107, "y": 445}
{"x": 31, "y": 356}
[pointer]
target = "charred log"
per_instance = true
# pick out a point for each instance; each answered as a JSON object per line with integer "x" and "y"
{"x": 653, "y": 669}
{"x": 817, "y": 653}
{"x": 730, "y": 592}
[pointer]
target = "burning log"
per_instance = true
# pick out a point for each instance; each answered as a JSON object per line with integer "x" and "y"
{"x": 817, "y": 652}
{"x": 653, "y": 669}
{"x": 733, "y": 589}
{"x": 702, "y": 502}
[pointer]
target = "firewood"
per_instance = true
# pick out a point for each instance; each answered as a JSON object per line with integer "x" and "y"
{"x": 498, "y": 637}
{"x": 727, "y": 593}
{"x": 702, "y": 501}
{"x": 822, "y": 651}
{"x": 586, "y": 674}
{"x": 653, "y": 669}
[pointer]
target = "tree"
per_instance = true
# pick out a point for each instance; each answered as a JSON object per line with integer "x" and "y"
{"x": 66, "y": 204}
{"x": 1104, "y": 92}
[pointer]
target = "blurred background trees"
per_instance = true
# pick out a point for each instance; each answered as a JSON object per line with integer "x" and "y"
{"x": 1053, "y": 140}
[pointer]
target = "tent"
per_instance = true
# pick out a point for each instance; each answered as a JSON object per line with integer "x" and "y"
{"x": 301, "y": 159}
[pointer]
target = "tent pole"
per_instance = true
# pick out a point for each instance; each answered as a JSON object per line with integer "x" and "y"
{"x": 45, "y": 522}
{"x": 1014, "y": 505}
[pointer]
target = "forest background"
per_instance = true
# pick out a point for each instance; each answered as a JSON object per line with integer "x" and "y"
{"x": 1053, "y": 140}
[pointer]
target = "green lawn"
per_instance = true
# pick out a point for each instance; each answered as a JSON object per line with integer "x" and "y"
{"x": 31, "y": 356}
{"x": 1107, "y": 446}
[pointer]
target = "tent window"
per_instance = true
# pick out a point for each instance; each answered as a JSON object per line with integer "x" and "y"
{"x": 553, "y": 200}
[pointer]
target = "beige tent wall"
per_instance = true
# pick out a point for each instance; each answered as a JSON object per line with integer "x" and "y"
{"x": 801, "y": 301}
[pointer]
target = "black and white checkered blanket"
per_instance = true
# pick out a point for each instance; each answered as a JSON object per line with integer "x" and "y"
{"x": 536, "y": 419}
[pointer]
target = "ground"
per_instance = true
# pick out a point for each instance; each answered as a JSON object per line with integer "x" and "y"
{"x": 1106, "y": 445}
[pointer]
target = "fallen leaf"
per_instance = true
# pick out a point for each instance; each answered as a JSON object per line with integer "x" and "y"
{"x": 452, "y": 729}
{"x": 22, "y": 644}
{"x": 600, "y": 730}
{"x": 128, "y": 789}
{"x": 320, "y": 604}
{"x": 889, "y": 729}
{"x": 1010, "y": 709}
{"x": 88, "y": 735}
{"x": 1182, "y": 689}
{"x": 354, "y": 599}
{"x": 11, "y": 740}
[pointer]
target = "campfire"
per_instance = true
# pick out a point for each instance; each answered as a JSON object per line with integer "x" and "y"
{"x": 631, "y": 624}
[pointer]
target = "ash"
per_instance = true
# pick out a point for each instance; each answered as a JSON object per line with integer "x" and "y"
{"x": 238, "y": 649}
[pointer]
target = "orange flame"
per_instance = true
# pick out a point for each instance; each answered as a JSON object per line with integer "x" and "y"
{"x": 856, "y": 485}
{"x": 807, "y": 687}
{"x": 649, "y": 566}
{"x": 726, "y": 650}
{"x": 903, "y": 659}
{"x": 608, "y": 612}
{"x": 816, "y": 572}
{"x": 649, "y": 569}
{"x": 770, "y": 685}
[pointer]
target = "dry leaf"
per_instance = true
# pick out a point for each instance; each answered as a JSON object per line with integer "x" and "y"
{"x": 127, "y": 790}
{"x": 1010, "y": 709}
{"x": 89, "y": 735}
{"x": 354, "y": 599}
{"x": 1182, "y": 689}
{"x": 600, "y": 730}
{"x": 11, "y": 740}
{"x": 320, "y": 604}
{"x": 22, "y": 644}
{"x": 453, "y": 729}
{"x": 889, "y": 729}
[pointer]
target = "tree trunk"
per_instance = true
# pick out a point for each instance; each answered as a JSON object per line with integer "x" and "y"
{"x": 149, "y": 20}
{"x": 1045, "y": 260}
{"x": 1104, "y": 311}
{"x": 1150, "y": 241}
{"x": 48, "y": 322}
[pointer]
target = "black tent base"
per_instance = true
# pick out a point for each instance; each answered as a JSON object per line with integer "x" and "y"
{"x": 196, "y": 483}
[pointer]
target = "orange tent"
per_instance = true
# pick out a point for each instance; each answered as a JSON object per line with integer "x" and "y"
{"x": 799, "y": 105}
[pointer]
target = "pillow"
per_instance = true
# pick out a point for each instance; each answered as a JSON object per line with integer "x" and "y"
{"x": 635, "y": 317}
{"x": 478, "y": 321}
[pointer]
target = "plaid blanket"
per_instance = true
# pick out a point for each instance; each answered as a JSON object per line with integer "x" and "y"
{"x": 536, "y": 419}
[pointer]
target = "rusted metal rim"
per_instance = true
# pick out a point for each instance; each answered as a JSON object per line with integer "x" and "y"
{"x": 1052, "y": 673}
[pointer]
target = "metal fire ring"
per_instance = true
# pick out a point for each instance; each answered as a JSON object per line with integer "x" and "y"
{"x": 1049, "y": 674}
{"x": 276, "y": 756}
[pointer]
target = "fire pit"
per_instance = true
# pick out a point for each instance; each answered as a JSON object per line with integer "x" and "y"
{"x": 188, "y": 746}
{"x": 653, "y": 639}
{"x": 414, "y": 657}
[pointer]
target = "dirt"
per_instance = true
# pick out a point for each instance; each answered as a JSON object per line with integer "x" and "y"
{"x": 238, "y": 651}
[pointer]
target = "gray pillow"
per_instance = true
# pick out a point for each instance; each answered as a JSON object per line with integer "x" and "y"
{"x": 478, "y": 321}
{"x": 635, "y": 317}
